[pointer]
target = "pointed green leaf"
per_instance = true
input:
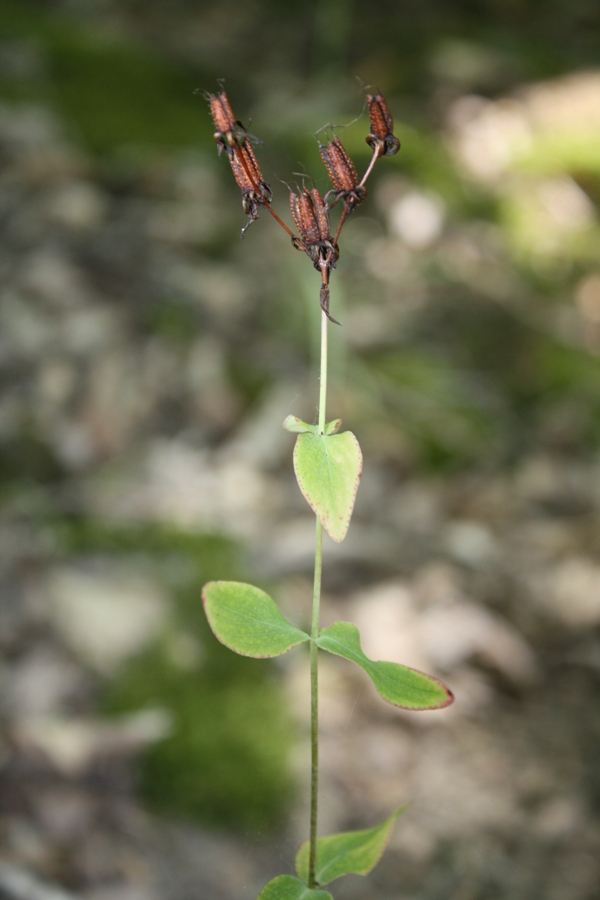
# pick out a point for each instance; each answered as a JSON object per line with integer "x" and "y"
{"x": 297, "y": 426}
{"x": 400, "y": 685}
{"x": 333, "y": 427}
{"x": 247, "y": 621}
{"x": 286, "y": 887}
{"x": 350, "y": 852}
{"x": 328, "y": 470}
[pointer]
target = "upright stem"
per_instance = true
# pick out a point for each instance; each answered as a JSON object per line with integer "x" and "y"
{"x": 323, "y": 377}
{"x": 314, "y": 660}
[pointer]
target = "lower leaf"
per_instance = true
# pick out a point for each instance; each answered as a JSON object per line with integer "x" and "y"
{"x": 247, "y": 620}
{"x": 400, "y": 685}
{"x": 286, "y": 887}
{"x": 350, "y": 852}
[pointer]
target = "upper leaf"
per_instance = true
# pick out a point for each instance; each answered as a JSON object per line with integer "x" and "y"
{"x": 350, "y": 852}
{"x": 247, "y": 620}
{"x": 400, "y": 685}
{"x": 328, "y": 469}
{"x": 286, "y": 887}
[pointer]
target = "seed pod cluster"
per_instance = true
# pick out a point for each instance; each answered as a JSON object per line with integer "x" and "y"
{"x": 310, "y": 211}
{"x": 382, "y": 137}
{"x": 342, "y": 172}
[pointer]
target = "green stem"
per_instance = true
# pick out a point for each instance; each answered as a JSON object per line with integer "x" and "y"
{"x": 314, "y": 660}
{"x": 323, "y": 380}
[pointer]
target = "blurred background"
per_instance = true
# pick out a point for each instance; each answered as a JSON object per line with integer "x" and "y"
{"x": 148, "y": 358}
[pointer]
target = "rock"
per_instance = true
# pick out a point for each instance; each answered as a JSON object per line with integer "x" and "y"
{"x": 42, "y": 683}
{"x": 470, "y": 543}
{"x": 76, "y": 204}
{"x": 105, "y": 616}
{"x": 19, "y": 884}
{"x": 464, "y": 631}
{"x": 72, "y": 745}
{"x": 442, "y": 637}
{"x": 570, "y": 592}
{"x": 179, "y": 484}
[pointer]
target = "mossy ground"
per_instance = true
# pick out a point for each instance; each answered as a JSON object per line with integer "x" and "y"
{"x": 225, "y": 763}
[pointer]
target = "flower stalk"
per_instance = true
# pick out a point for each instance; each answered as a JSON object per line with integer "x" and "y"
{"x": 328, "y": 467}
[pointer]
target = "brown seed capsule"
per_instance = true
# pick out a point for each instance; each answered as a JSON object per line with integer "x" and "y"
{"x": 310, "y": 215}
{"x": 229, "y": 131}
{"x": 221, "y": 112}
{"x": 248, "y": 160}
{"x": 382, "y": 126}
{"x": 339, "y": 165}
{"x": 240, "y": 171}
{"x": 246, "y": 171}
{"x": 342, "y": 173}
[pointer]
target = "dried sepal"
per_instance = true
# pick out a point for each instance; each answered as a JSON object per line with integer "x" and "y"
{"x": 382, "y": 135}
{"x": 324, "y": 301}
{"x": 342, "y": 173}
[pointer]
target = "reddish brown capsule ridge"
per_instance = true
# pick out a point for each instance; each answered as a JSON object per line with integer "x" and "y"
{"x": 342, "y": 173}
{"x": 382, "y": 126}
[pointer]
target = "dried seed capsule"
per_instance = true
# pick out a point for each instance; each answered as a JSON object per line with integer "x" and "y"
{"x": 246, "y": 171}
{"x": 310, "y": 215}
{"x": 342, "y": 173}
{"x": 240, "y": 172}
{"x": 248, "y": 160}
{"x": 229, "y": 131}
{"x": 221, "y": 112}
{"x": 339, "y": 165}
{"x": 321, "y": 214}
{"x": 382, "y": 126}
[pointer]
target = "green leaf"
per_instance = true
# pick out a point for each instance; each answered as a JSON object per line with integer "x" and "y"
{"x": 333, "y": 427}
{"x": 400, "y": 685}
{"x": 286, "y": 887}
{"x": 297, "y": 426}
{"x": 350, "y": 852}
{"x": 328, "y": 470}
{"x": 247, "y": 621}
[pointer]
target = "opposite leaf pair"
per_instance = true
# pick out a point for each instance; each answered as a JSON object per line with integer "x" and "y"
{"x": 246, "y": 620}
